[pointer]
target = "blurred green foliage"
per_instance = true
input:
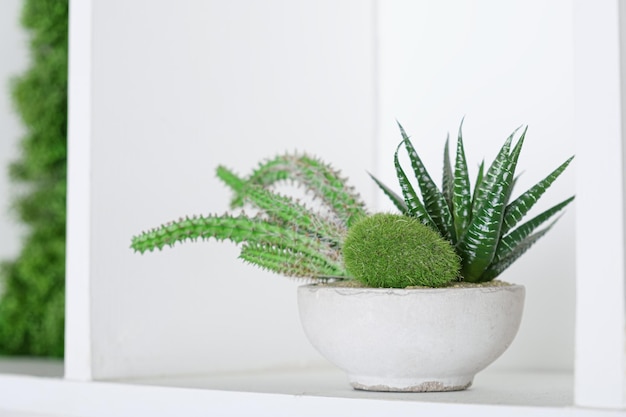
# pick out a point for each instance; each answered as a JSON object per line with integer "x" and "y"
{"x": 32, "y": 306}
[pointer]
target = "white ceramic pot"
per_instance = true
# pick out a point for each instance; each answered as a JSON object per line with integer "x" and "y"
{"x": 411, "y": 339}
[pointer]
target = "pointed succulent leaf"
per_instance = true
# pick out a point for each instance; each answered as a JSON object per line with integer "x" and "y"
{"x": 513, "y": 184}
{"x": 478, "y": 245}
{"x": 434, "y": 201}
{"x": 413, "y": 203}
{"x": 402, "y": 131}
{"x": 509, "y": 243}
{"x": 447, "y": 177}
{"x": 395, "y": 198}
{"x": 518, "y": 208}
{"x": 498, "y": 266}
{"x": 486, "y": 182}
{"x": 462, "y": 200}
{"x": 481, "y": 245}
{"x": 479, "y": 180}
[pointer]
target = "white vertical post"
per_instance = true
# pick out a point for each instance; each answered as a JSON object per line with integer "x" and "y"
{"x": 599, "y": 380}
{"x": 77, "y": 322}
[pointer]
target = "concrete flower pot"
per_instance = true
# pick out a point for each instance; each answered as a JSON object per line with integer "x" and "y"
{"x": 411, "y": 339}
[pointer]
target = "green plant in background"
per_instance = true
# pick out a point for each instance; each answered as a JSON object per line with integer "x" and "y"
{"x": 284, "y": 235}
{"x": 396, "y": 251}
{"x": 483, "y": 224}
{"x": 32, "y": 303}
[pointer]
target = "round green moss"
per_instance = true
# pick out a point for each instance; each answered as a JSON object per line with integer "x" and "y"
{"x": 396, "y": 251}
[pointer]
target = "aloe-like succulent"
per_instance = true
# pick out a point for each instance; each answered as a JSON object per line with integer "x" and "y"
{"x": 284, "y": 235}
{"x": 481, "y": 224}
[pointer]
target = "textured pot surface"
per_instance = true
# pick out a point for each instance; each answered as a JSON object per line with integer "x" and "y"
{"x": 411, "y": 339}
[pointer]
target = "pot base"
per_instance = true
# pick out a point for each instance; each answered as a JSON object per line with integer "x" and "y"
{"x": 411, "y": 385}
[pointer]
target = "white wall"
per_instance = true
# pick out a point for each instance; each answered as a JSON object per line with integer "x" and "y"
{"x": 173, "y": 91}
{"x": 13, "y": 50}
{"x": 176, "y": 91}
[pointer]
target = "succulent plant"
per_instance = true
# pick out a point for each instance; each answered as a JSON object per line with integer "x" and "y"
{"x": 396, "y": 251}
{"x": 481, "y": 224}
{"x": 284, "y": 235}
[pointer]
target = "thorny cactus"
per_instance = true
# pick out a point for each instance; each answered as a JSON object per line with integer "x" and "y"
{"x": 284, "y": 236}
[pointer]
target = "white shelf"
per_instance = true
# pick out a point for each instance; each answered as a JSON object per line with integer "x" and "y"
{"x": 282, "y": 392}
{"x": 540, "y": 389}
{"x": 31, "y": 366}
{"x": 165, "y": 118}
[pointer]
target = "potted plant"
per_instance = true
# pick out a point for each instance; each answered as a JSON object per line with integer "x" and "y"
{"x": 432, "y": 339}
{"x": 401, "y": 302}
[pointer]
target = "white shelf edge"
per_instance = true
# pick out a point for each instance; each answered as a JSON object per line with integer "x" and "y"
{"x": 600, "y": 360}
{"x": 54, "y": 396}
{"x": 78, "y": 252}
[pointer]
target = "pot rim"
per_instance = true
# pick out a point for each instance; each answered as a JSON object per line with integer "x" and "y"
{"x": 318, "y": 286}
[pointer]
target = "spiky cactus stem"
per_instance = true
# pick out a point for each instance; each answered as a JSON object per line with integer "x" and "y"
{"x": 285, "y": 236}
{"x": 265, "y": 241}
{"x": 310, "y": 173}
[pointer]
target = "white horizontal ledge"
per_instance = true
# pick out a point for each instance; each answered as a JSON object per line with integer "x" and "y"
{"x": 290, "y": 392}
{"x": 31, "y": 366}
{"x": 490, "y": 387}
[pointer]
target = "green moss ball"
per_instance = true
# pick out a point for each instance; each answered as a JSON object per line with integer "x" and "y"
{"x": 396, "y": 251}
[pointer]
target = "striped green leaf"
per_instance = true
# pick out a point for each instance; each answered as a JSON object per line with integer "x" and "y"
{"x": 518, "y": 208}
{"x": 490, "y": 175}
{"x": 413, "y": 203}
{"x": 462, "y": 200}
{"x": 433, "y": 199}
{"x": 497, "y": 267}
{"x": 483, "y": 217}
{"x": 395, "y": 198}
{"x": 448, "y": 178}
{"x": 509, "y": 243}
{"x": 479, "y": 180}
{"x": 513, "y": 184}
{"x": 478, "y": 245}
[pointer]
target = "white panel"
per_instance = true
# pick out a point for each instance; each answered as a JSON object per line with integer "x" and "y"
{"x": 501, "y": 65}
{"x": 600, "y": 227}
{"x": 78, "y": 249}
{"x": 287, "y": 393}
{"x": 177, "y": 89}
